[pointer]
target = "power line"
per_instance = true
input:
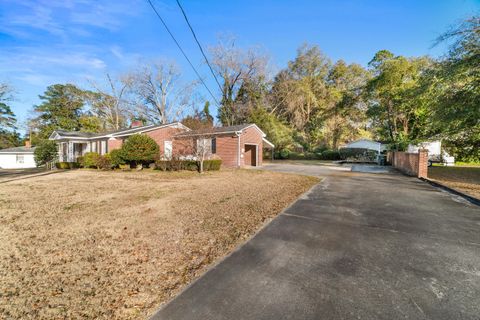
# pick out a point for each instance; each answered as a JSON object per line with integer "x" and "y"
{"x": 183, "y": 52}
{"x": 199, "y": 45}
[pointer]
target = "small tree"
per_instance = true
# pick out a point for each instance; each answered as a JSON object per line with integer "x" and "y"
{"x": 45, "y": 151}
{"x": 203, "y": 150}
{"x": 140, "y": 149}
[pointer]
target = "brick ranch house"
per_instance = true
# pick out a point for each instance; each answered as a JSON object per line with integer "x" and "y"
{"x": 237, "y": 146}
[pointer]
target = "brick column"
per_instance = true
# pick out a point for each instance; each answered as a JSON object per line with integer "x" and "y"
{"x": 422, "y": 171}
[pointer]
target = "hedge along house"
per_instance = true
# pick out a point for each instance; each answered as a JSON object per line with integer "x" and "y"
{"x": 237, "y": 146}
{"x": 73, "y": 144}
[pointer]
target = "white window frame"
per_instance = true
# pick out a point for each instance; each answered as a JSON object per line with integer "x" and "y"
{"x": 20, "y": 158}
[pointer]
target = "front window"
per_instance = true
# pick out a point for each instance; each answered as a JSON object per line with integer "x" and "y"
{"x": 20, "y": 158}
{"x": 214, "y": 145}
{"x": 204, "y": 145}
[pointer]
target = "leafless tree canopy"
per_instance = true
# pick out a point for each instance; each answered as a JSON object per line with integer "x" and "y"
{"x": 235, "y": 67}
{"x": 113, "y": 105}
{"x": 161, "y": 96}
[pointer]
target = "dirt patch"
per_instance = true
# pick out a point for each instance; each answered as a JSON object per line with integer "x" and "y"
{"x": 115, "y": 245}
{"x": 464, "y": 179}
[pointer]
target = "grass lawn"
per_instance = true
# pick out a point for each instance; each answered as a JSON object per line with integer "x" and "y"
{"x": 465, "y": 179}
{"x": 88, "y": 244}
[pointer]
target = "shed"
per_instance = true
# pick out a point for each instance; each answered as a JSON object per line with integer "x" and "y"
{"x": 17, "y": 158}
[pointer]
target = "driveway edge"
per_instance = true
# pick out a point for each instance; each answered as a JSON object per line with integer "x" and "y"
{"x": 467, "y": 197}
{"x": 213, "y": 266}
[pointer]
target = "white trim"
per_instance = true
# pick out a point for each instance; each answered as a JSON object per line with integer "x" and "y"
{"x": 256, "y": 127}
{"x": 268, "y": 142}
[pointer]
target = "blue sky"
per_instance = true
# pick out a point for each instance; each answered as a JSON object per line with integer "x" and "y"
{"x": 57, "y": 41}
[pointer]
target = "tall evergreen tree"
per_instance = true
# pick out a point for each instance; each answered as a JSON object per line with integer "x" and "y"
{"x": 61, "y": 108}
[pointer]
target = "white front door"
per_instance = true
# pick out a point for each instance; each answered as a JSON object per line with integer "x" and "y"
{"x": 168, "y": 149}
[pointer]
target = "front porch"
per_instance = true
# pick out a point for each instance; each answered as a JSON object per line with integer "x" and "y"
{"x": 70, "y": 150}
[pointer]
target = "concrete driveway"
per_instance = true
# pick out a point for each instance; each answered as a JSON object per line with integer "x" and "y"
{"x": 358, "y": 246}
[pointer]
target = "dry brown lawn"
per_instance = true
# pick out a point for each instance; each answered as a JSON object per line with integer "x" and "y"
{"x": 464, "y": 179}
{"x": 115, "y": 245}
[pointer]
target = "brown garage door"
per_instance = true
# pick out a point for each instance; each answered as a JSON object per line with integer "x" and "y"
{"x": 250, "y": 155}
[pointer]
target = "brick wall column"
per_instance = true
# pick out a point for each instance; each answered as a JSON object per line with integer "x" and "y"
{"x": 422, "y": 171}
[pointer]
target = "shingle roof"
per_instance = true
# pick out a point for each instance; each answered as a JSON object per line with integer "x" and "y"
{"x": 214, "y": 130}
{"x": 18, "y": 150}
{"x": 74, "y": 134}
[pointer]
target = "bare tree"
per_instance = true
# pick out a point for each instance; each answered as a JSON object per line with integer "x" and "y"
{"x": 161, "y": 96}
{"x": 235, "y": 67}
{"x": 203, "y": 150}
{"x": 113, "y": 104}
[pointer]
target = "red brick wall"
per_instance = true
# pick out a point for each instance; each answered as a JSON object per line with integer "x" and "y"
{"x": 114, "y": 143}
{"x": 414, "y": 164}
{"x": 226, "y": 148}
{"x": 251, "y": 136}
{"x": 161, "y": 135}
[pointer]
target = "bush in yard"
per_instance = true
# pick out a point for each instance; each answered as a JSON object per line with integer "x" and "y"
{"x": 140, "y": 149}
{"x": 190, "y": 165}
{"x": 45, "y": 151}
{"x": 80, "y": 161}
{"x": 116, "y": 158}
{"x": 104, "y": 162}
{"x": 212, "y": 165}
{"x": 330, "y": 155}
{"x": 90, "y": 160}
{"x": 67, "y": 165}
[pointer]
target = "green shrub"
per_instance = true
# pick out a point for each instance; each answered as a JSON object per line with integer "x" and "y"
{"x": 116, "y": 158}
{"x": 140, "y": 149}
{"x": 212, "y": 165}
{"x": 104, "y": 162}
{"x": 190, "y": 165}
{"x": 67, "y": 165}
{"x": 45, "y": 151}
{"x": 81, "y": 161}
{"x": 329, "y": 155}
{"x": 90, "y": 160}
{"x": 282, "y": 154}
{"x": 162, "y": 165}
{"x": 359, "y": 154}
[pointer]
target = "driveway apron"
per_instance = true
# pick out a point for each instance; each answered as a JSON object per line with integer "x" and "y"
{"x": 357, "y": 246}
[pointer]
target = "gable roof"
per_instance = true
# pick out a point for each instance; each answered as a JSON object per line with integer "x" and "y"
{"x": 62, "y": 134}
{"x": 220, "y": 130}
{"x": 18, "y": 150}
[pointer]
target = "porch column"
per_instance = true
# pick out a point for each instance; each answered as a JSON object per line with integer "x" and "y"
{"x": 60, "y": 151}
{"x": 70, "y": 156}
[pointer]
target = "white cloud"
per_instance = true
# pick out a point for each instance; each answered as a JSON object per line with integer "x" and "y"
{"x": 61, "y": 18}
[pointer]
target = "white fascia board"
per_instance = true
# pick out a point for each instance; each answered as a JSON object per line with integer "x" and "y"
{"x": 256, "y": 127}
{"x": 268, "y": 142}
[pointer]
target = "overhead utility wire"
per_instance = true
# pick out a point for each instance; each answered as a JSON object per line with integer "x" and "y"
{"x": 199, "y": 45}
{"x": 183, "y": 52}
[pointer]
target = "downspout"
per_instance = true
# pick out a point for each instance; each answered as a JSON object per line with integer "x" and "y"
{"x": 238, "y": 133}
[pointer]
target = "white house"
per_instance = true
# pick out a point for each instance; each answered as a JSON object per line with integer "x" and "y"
{"x": 17, "y": 158}
{"x": 367, "y": 144}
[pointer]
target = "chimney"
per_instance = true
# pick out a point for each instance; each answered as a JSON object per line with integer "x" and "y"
{"x": 28, "y": 144}
{"x": 136, "y": 123}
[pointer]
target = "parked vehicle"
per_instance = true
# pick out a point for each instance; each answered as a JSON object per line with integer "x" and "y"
{"x": 435, "y": 152}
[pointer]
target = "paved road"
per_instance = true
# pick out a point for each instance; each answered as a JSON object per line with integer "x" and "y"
{"x": 358, "y": 246}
